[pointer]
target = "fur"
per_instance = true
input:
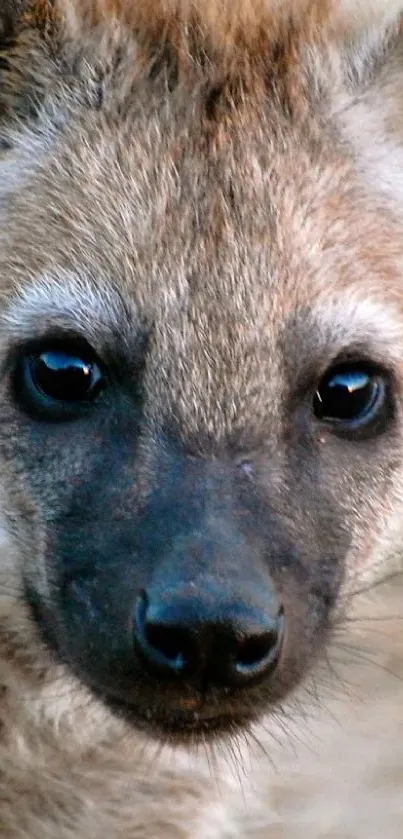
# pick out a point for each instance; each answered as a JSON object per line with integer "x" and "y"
{"x": 209, "y": 192}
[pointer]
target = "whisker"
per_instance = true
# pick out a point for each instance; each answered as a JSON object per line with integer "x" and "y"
{"x": 373, "y": 585}
{"x": 250, "y": 735}
{"x": 364, "y": 657}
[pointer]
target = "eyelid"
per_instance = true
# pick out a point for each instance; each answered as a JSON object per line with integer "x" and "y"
{"x": 112, "y": 352}
{"x": 51, "y": 338}
{"x": 67, "y": 342}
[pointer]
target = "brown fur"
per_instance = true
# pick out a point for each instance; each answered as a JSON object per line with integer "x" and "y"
{"x": 223, "y": 176}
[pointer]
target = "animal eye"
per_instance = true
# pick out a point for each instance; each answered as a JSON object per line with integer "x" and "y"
{"x": 58, "y": 382}
{"x": 350, "y": 396}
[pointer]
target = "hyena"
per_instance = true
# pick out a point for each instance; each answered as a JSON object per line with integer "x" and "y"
{"x": 201, "y": 223}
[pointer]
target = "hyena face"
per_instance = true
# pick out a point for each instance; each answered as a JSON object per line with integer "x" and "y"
{"x": 201, "y": 347}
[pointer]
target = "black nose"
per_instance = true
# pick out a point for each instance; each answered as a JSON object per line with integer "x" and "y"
{"x": 179, "y": 636}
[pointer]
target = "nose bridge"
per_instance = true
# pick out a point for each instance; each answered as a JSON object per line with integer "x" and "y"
{"x": 210, "y": 612}
{"x": 214, "y": 349}
{"x": 203, "y": 531}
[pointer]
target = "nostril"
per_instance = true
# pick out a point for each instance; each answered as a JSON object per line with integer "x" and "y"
{"x": 169, "y": 648}
{"x": 258, "y": 652}
{"x": 175, "y": 640}
{"x": 252, "y": 651}
{"x": 171, "y": 642}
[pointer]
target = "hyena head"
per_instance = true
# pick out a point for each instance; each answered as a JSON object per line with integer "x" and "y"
{"x": 201, "y": 344}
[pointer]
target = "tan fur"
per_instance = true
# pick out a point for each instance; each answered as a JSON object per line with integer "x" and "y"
{"x": 229, "y": 173}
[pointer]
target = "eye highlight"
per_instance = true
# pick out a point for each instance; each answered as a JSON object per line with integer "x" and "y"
{"x": 350, "y": 396}
{"x": 58, "y": 381}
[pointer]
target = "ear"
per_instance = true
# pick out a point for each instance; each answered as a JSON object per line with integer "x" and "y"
{"x": 25, "y": 33}
{"x": 357, "y": 14}
{"x": 369, "y": 108}
{"x": 370, "y": 32}
{"x": 10, "y": 13}
{"x": 15, "y": 15}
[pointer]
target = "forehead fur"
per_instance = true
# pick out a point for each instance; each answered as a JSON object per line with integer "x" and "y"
{"x": 229, "y": 17}
{"x": 227, "y": 27}
{"x": 174, "y": 211}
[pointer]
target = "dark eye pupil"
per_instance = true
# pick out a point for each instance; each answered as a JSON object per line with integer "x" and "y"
{"x": 347, "y": 395}
{"x": 65, "y": 377}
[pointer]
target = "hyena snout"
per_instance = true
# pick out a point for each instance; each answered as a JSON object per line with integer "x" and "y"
{"x": 210, "y": 635}
{"x": 199, "y": 608}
